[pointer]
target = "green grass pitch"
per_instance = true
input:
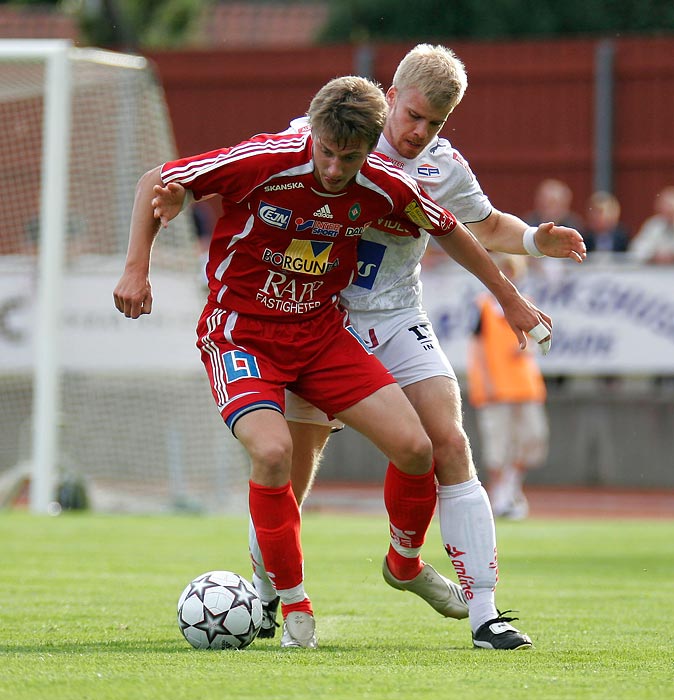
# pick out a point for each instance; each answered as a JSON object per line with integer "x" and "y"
{"x": 88, "y": 601}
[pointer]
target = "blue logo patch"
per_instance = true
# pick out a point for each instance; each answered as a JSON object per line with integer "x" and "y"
{"x": 278, "y": 217}
{"x": 370, "y": 256}
{"x": 428, "y": 170}
{"x": 239, "y": 365}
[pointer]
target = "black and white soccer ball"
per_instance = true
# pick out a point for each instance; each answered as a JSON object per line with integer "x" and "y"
{"x": 219, "y": 610}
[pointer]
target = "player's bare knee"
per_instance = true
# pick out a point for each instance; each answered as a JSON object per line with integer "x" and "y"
{"x": 271, "y": 462}
{"x": 452, "y": 452}
{"x": 416, "y": 456}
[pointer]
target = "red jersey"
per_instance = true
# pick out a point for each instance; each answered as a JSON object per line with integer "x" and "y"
{"x": 284, "y": 248}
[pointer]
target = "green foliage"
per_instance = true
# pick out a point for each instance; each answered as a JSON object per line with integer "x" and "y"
{"x": 426, "y": 20}
{"x": 133, "y": 24}
{"x": 88, "y": 606}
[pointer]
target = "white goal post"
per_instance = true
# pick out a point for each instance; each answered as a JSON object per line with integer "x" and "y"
{"x": 54, "y": 181}
{"x": 122, "y": 406}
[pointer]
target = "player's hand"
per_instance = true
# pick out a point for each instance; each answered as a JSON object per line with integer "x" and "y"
{"x": 133, "y": 294}
{"x": 167, "y": 202}
{"x": 560, "y": 242}
{"x": 526, "y": 319}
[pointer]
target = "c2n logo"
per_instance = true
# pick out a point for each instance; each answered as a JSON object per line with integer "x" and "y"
{"x": 240, "y": 365}
{"x": 273, "y": 215}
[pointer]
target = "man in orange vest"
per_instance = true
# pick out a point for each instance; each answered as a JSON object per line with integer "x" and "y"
{"x": 507, "y": 390}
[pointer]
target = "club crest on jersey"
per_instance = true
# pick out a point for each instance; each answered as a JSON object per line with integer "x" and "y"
{"x": 428, "y": 170}
{"x": 307, "y": 257}
{"x": 354, "y": 212}
{"x": 278, "y": 217}
{"x": 370, "y": 256}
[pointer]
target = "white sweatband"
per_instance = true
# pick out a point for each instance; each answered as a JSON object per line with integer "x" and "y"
{"x": 529, "y": 242}
{"x": 539, "y": 332}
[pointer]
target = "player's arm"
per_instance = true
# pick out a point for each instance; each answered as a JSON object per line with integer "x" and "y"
{"x": 507, "y": 233}
{"x": 524, "y": 318}
{"x": 133, "y": 293}
{"x": 458, "y": 242}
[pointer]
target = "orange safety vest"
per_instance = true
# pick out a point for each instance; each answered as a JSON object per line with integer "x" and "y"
{"x": 498, "y": 371}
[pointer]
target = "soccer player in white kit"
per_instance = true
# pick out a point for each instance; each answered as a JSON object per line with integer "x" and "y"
{"x": 385, "y": 307}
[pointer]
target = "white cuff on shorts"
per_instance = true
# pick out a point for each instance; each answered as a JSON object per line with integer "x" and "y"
{"x": 529, "y": 242}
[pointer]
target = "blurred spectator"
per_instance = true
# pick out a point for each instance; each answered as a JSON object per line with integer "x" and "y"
{"x": 604, "y": 232}
{"x": 507, "y": 390}
{"x": 654, "y": 243}
{"x": 552, "y": 202}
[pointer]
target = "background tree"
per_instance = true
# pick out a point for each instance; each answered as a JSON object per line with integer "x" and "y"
{"x": 490, "y": 19}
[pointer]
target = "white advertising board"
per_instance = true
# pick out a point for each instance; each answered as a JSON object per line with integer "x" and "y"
{"x": 93, "y": 334}
{"x": 616, "y": 319}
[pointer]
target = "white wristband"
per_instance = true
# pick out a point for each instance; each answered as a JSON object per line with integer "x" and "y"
{"x": 529, "y": 242}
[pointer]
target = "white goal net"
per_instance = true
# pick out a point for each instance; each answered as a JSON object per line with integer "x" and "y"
{"x": 88, "y": 397}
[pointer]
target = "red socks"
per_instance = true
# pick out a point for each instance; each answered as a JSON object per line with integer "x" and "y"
{"x": 276, "y": 518}
{"x": 410, "y": 502}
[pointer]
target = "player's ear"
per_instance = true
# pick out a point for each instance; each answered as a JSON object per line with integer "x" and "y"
{"x": 391, "y": 96}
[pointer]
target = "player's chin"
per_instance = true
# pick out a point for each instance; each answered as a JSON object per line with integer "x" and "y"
{"x": 410, "y": 150}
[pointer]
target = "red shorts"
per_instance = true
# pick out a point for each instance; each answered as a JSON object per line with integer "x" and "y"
{"x": 250, "y": 362}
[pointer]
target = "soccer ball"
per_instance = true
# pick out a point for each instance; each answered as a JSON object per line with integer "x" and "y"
{"x": 219, "y": 610}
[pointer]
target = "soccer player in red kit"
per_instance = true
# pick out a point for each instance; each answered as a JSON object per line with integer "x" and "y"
{"x": 294, "y": 207}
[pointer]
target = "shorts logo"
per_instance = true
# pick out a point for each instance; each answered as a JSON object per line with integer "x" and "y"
{"x": 428, "y": 170}
{"x": 422, "y": 334}
{"x": 239, "y": 365}
{"x": 370, "y": 256}
{"x": 278, "y": 217}
{"x": 307, "y": 257}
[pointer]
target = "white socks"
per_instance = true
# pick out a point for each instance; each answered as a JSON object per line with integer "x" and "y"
{"x": 469, "y": 538}
{"x": 261, "y": 581}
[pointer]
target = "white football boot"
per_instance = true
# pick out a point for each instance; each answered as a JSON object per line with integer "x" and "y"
{"x": 443, "y": 595}
{"x": 299, "y": 630}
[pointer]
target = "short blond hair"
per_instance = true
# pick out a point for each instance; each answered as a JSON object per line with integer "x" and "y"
{"x": 349, "y": 109}
{"x": 436, "y": 71}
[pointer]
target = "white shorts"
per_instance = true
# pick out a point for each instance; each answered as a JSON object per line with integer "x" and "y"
{"x": 513, "y": 434}
{"x": 412, "y": 353}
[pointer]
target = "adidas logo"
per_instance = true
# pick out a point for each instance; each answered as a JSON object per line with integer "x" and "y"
{"x": 323, "y": 212}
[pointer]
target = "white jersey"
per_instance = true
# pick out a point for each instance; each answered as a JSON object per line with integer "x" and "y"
{"x": 390, "y": 266}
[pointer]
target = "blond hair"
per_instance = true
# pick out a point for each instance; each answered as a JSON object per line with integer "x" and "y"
{"x": 349, "y": 109}
{"x": 436, "y": 72}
